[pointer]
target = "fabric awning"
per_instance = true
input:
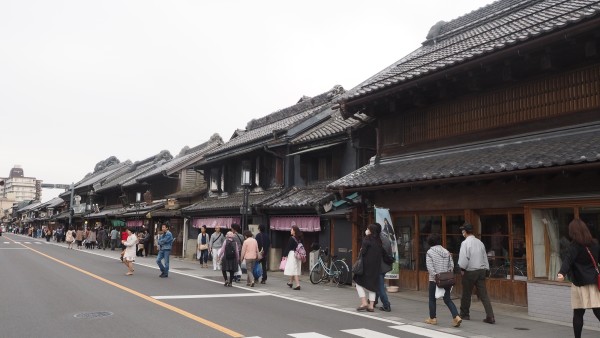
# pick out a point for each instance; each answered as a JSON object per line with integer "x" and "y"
{"x": 117, "y": 223}
{"x": 135, "y": 223}
{"x": 213, "y": 222}
{"x": 305, "y": 223}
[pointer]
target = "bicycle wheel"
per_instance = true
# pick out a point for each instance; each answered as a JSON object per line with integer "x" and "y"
{"x": 340, "y": 272}
{"x": 316, "y": 273}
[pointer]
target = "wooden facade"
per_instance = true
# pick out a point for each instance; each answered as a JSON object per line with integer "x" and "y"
{"x": 487, "y": 124}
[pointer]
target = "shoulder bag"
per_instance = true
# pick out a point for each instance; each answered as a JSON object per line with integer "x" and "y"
{"x": 358, "y": 267}
{"x": 595, "y": 267}
{"x": 445, "y": 279}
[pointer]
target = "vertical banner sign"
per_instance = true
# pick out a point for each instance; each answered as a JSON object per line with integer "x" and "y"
{"x": 382, "y": 216}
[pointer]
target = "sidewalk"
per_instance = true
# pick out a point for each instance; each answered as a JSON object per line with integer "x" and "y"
{"x": 408, "y": 307}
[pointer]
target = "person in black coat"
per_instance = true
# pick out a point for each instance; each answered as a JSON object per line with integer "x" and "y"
{"x": 368, "y": 282}
{"x": 580, "y": 264}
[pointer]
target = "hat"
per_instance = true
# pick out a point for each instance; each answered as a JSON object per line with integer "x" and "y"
{"x": 467, "y": 227}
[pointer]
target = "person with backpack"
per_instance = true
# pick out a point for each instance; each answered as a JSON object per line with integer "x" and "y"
{"x": 229, "y": 258}
{"x": 239, "y": 239}
{"x": 293, "y": 264}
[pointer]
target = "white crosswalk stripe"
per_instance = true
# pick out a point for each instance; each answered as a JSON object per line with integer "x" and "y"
{"x": 308, "y": 335}
{"x": 423, "y": 331}
{"x": 366, "y": 333}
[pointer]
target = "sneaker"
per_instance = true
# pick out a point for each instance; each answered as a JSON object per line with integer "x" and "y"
{"x": 489, "y": 320}
{"x": 432, "y": 321}
{"x": 456, "y": 321}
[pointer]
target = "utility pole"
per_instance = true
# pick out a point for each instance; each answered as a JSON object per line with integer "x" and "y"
{"x": 71, "y": 207}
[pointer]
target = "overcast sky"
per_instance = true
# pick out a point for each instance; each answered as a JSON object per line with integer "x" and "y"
{"x": 81, "y": 81}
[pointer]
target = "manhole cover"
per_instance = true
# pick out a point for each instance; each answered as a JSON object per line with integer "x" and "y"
{"x": 182, "y": 269}
{"x": 93, "y": 314}
{"x": 521, "y": 328}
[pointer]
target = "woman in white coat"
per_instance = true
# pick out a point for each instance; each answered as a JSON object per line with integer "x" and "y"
{"x": 130, "y": 246}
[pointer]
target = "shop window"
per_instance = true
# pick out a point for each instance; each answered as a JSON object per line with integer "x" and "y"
{"x": 406, "y": 248}
{"x": 494, "y": 235}
{"x": 591, "y": 217}
{"x": 454, "y": 236}
{"x": 519, "y": 253}
{"x": 428, "y": 224}
{"x": 550, "y": 237}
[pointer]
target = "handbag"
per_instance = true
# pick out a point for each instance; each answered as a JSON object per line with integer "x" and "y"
{"x": 445, "y": 279}
{"x": 259, "y": 255}
{"x": 595, "y": 267}
{"x": 203, "y": 246}
{"x": 282, "y": 264}
{"x": 358, "y": 267}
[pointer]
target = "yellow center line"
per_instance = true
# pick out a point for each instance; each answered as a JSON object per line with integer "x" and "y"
{"x": 184, "y": 313}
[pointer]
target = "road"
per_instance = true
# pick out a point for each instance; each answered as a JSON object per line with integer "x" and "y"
{"x": 51, "y": 291}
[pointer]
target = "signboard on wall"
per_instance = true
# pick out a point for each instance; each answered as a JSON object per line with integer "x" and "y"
{"x": 382, "y": 216}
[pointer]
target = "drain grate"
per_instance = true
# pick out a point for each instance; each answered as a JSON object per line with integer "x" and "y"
{"x": 93, "y": 314}
{"x": 182, "y": 269}
{"x": 522, "y": 328}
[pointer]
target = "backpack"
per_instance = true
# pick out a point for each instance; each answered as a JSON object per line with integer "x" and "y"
{"x": 230, "y": 250}
{"x": 300, "y": 252}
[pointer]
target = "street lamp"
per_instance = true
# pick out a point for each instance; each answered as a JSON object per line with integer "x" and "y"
{"x": 246, "y": 185}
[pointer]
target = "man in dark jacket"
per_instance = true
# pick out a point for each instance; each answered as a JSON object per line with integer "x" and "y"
{"x": 264, "y": 243}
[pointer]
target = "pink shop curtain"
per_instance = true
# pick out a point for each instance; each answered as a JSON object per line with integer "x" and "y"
{"x": 135, "y": 223}
{"x": 212, "y": 222}
{"x": 305, "y": 223}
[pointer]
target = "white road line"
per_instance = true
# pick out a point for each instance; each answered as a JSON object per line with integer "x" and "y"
{"x": 223, "y": 295}
{"x": 308, "y": 335}
{"x": 6, "y": 242}
{"x": 366, "y": 333}
{"x": 424, "y": 332}
{"x": 27, "y": 242}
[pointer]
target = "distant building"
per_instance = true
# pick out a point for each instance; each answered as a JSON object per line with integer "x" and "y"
{"x": 20, "y": 188}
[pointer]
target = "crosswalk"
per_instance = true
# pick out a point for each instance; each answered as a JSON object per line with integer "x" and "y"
{"x": 368, "y": 333}
{"x": 7, "y": 244}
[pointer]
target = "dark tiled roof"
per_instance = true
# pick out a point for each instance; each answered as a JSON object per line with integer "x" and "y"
{"x": 263, "y": 128}
{"x": 485, "y": 31}
{"x": 552, "y": 149}
{"x": 96, "y": 177}
{"x": 232, "y": 201}
{"x": 113, "y": 210}
{"x": 300, "y": 198}
{"x": 336, "y": 125}
{"x": 131, "y": 173}
{"x": 189, "y": 192}
{"x": 187, "y": 158}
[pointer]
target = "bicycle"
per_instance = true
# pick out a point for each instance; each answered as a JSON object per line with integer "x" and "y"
{"x": 337, "y": 271}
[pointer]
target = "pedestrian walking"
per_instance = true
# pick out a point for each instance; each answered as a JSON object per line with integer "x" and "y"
{"x": 91, "y": 239}
{"x": 250, "y": 254}
{"x": 580, "y": 263}
{"x": 202, "y": 247}
{"x": 239, "y": 239}
{"x": 473, "y": 262}
{"x": 79, "y": 238}
{"x": 165, "y": 242}
{"x": 70, "y": 238}
{"x": 114, "y": 237}
{"x": 368, "y": 281}
{"x": 229, "y": 258}
{"x": 293, "y": 265}
{"x": 214, "y": 245}
{"x": 102, "y": 238}
{"x": 439, "y": 260}
{"x": 264, "y": 244}
{"x": 130, "y": 251}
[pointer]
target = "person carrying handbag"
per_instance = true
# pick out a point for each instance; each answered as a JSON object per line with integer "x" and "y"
{"x": 439, "y": 260}
{"x": 580, "y": 263}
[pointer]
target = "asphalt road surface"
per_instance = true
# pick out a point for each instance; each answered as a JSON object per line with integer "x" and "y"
{"x": 50, "y": 291}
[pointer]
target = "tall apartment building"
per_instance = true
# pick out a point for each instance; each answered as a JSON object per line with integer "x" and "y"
{"x": 19, "y": 187}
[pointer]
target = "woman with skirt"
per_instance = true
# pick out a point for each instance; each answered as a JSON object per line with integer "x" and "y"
{"x": 580, "y": 265}
{"x": 293, "y": 266}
